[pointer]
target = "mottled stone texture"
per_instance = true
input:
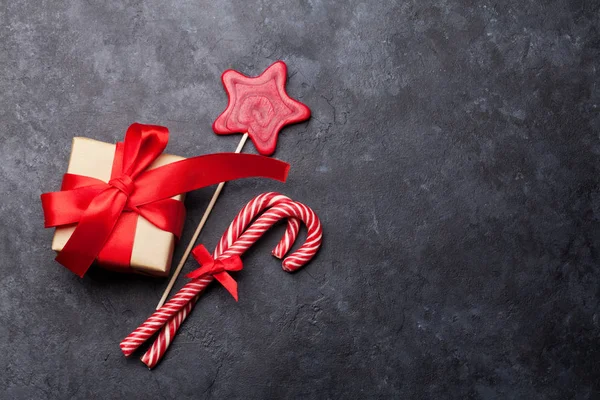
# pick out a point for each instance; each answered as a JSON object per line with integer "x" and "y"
{"x": 453, "y": 156}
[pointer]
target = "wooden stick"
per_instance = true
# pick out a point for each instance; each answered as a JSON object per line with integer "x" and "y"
{"x": 190, "y": 245}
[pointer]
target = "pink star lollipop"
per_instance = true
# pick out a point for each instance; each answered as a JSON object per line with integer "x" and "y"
{"x": 259, "y": 106}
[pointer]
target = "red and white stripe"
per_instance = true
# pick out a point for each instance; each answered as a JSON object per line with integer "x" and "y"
{"x": 196, "y": 286}
{"x": 248, "y": 214}
{"x": 240, "y": 235}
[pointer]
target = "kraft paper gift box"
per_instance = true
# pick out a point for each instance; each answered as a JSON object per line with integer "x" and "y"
{"x": 152, "y": 247}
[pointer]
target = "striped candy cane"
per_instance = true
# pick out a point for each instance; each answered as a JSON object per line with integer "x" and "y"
{"x": 194, "y": 287}
{"x": 240, "y": 235}
{"x": 253, "y": 233}
{"x": 231, "y": 235}
{"x": 248, "y": 214}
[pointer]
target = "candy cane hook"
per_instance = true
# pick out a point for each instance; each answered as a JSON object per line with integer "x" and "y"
{"x": 240, "y": 236}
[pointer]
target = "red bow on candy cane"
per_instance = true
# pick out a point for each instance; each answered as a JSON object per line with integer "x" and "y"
{"x": 217, "y": 268}
{"x": 100, "y": 208}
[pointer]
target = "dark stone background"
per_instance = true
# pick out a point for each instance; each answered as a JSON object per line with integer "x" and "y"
{"x": 453, "y": 156}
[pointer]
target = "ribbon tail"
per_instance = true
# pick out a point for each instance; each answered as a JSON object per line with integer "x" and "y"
{"x": 198, "y": 172}
{"x": 228, "y": 282}
{"x": 91, "y": 233}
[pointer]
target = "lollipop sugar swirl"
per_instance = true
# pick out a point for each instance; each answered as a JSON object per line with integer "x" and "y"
{"x": 259, "y": 107}
{"x": 239, "y": 237}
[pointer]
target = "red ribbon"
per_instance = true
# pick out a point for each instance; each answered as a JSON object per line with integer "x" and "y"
{"x": 217, "y": 268}
{"x": 104, "y": 212}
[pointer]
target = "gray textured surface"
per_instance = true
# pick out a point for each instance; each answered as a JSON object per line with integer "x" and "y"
{"x": 453, "y": 156}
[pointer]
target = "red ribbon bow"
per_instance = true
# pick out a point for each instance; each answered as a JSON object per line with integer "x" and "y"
{"x": 101, "y": 209}
{"x": 217, "y": 268}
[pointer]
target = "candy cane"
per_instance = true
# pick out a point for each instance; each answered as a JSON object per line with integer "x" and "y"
{"x": 253, "y": 233}
{"x": 248, "y": 214}
{"x": 234, "y": 241}
{"x": 231, "y": 236}
{"x": 194, "y": 287}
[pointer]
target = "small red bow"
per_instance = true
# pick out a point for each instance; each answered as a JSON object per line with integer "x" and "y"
{"x": 217, "y": 268}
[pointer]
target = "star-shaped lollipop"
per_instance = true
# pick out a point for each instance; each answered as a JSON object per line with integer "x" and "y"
{"x": 259, "y": 106}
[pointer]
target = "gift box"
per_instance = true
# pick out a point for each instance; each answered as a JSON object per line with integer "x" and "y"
{"x": 152, "y": 247}
{"x": 121, "y": 205}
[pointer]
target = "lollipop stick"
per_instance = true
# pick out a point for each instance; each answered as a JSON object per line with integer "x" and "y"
{"x": 190, "y": 245}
